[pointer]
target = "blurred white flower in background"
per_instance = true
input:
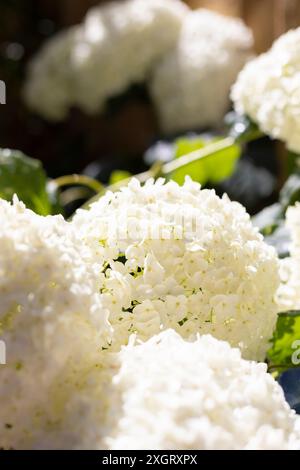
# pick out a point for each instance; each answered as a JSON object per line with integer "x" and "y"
{"x": 189, "y": 60}
{"x": 114, "y": 47}
{"x": 54, "y": 327}
{"x": 49, "y": 88}
{"x": 209, "y": 272}
{"x": 172, "y": 394}
{"x": 289, "y": 291}
{"x": 268, "y": 90}
{"x": 118, "y": 44}
{"x": 190, "y": 86}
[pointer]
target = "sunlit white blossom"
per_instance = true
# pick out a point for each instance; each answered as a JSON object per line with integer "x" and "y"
{"x": 268, "y": 91}
{"x": 54, "y": 329}
{"x": 289, "y": 291}
{"x": 171, "y": 394}
{"x": 214, "y": 276}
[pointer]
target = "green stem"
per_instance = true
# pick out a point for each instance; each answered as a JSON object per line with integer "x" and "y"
{"x": 154, "y": 172}
{"x": 81, "y": 180}
{"x": 167, "y": 169}
{"x": 74, "y": 194}
{"x": 207, "y": 152}
{"x": 282, "y": 366}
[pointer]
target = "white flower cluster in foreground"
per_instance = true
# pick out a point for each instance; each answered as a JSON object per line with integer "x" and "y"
{"x": 115, "y": 46}
{"x": 268, "y": 91}
{"x": 172, "y": 394}
{"x": 181, "y": 258}
{"x": 289, "y": 291}
{"x": 191, "y": 84}
{"x": 145, "y": 259}
{"x": 53, "y": 325}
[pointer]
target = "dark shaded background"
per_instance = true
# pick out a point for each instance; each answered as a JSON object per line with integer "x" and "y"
{"x": 119, "y": 138}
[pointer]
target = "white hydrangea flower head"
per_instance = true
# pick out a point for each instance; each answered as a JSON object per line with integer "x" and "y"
{"x": 268, "y": 91}
{"x": 115, "y": 46}
{"x": 288, "y": 295}
{"x": 181, "y": 257}
{"x": 201, "y": 395}
{"x": 53, "y": 325}
{"x": 119, "y": 43}
{"x": 49, "y": 88}
{"x": 190, "y": 86}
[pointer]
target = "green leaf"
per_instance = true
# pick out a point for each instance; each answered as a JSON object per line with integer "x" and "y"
{"x": 286, "y": 342}
{"x": 292, "y": 162}
{"x": 118, "y": 175}
{"x": 195, "y": 170}
{"x": 54, "y": 198}
{"x": 222, "y": 165}
{"x": 25, "y": 177}
{"x": 214, "y": 169}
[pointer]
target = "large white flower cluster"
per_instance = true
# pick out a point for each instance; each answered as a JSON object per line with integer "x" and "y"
{"x": 115, "y": 46}
{"x": 289, "y": 291}
{"x": 173, "y": 394}
{"x": 145, "y": 259}
{"x": 191, "y": 84}
{"x": 54, "y": 328}
{"x": 268, "y": 91}
{"x": 181, "y": 258}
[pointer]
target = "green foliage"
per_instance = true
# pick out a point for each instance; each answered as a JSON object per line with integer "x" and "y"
{"x": 118, "y": 175}
{"x": 213, "y": 169}
{"x": 53, "y": 193}
{"x": 25, "y": 177}
{"x": 285, "y": 342}
{"x": 292, "y": 160}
